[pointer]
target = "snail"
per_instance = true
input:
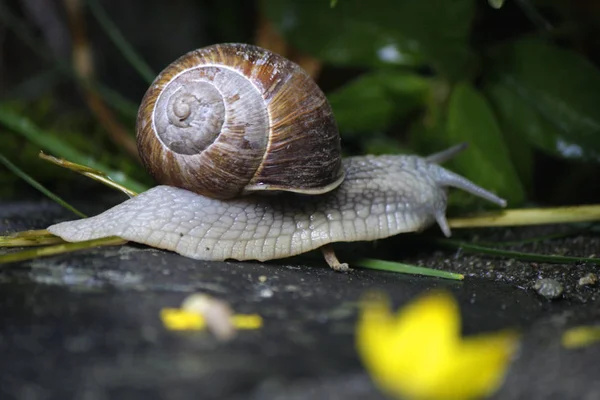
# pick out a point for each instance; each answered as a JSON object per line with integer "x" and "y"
{"x": 247, "y": 156}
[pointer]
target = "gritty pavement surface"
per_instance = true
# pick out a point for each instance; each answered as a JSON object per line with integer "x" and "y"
{"x": 86, "y": 325}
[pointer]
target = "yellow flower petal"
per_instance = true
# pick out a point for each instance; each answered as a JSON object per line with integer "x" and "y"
{"x": 176, "y": 319}
{"x": 580, "y": 336}
{"x": 419, "y": 353}
{"x": 249, "y": 321}
{"x": 478, "y": 366}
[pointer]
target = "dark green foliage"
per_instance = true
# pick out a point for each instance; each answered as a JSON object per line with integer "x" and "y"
{"x": 556, "y": 93}
{"x": 519, "y": 81}
{"x": 488, "y": 162}
{"x": 434, "y": 70}
{"x": 380, "y": 32}
{"x": 373, "y": 101}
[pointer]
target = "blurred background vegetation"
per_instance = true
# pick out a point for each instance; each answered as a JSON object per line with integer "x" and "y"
{"x": 518, "y": 80}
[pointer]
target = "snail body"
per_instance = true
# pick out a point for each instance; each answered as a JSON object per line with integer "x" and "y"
{"x": 380, "y": 197}
{"x": 319, "y": 198}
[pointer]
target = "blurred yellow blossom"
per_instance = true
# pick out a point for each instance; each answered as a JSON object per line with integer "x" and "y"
{"x": 420, "y": 353}
{"x": 177, "y": 319}
{"x": 202, "y": 311}
{"x": 581, "y": 336}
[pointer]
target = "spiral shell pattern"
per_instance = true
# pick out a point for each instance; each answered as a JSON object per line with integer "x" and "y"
{"x": 233, "y": 119}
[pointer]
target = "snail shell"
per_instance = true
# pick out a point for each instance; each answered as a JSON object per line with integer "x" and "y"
{"x": 255, "y": 121}
{"x": 232, "y": 119}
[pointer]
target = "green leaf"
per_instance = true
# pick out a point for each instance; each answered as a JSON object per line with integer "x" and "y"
{"x": 487, "y": 161}
{"x": 560, "y": 93}
{"x": 401, "y": 268}
{"x": 519, "y": 121}
{"x": 373, "y": 101}
{"x": 379, "y": 32}
{"x": 428, "y": 134}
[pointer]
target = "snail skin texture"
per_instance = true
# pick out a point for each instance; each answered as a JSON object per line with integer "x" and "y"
{"x": 247, "y": 155}
{"x": 381, "y": 196}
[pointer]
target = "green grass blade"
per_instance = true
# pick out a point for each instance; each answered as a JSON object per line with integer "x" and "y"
{"x": 59, "y": 249}
{"x": 51, "y": 144}
{"x": 119, "y": 40}
{"x": 472, "y": 248}
{"x": 382, "y": 265}
{"x": 17, "y": 171}
{"x": 537, "y": 239}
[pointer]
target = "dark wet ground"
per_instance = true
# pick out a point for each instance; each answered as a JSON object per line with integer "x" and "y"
{"x": 86, "y": 325}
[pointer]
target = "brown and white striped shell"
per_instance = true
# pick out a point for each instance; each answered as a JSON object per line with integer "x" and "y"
{"x": 233, "y": 119}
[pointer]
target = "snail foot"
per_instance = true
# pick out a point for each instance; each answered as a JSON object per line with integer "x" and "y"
{"x": 332, "y": 260}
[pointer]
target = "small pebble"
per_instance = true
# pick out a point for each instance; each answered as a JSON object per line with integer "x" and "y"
{"x": 266, "y": 293}
{"x": 588, "y": 279}
{"x": 549, "y": 288}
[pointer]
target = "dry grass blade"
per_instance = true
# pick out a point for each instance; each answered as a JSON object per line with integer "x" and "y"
{"x": 529, "y": 216}
{"x": 89, "y": 172}
{"x": 59, "y": 249}
{"x": 29, "y": 238}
